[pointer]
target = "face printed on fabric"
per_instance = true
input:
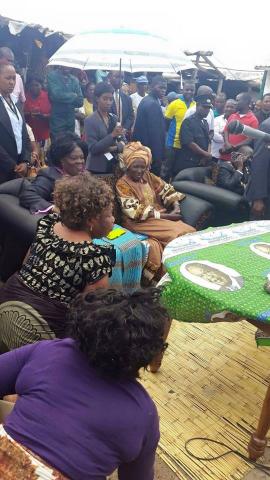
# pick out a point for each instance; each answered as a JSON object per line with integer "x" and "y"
{"x": 7, "y": 79}
{"x": 137, "y": 170}
{"x": 264, "y": 247}
{"x": 103, "y": 223}
{"x": 209, "y": 274}
{"x": 104, "y": 102}
{"x": 74, "y": 163}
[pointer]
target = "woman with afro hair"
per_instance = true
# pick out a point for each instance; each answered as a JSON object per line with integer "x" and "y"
{"x": 62, "y": 262}
{"x": 80, "y": 409}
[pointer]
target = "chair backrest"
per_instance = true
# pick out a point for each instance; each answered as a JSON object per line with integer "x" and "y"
{"x": 195, "y": 174}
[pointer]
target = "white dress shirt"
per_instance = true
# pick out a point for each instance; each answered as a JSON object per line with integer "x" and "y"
{"x": 136, "y": 100}
{"x": 218, "y": 140}
{"x": 16, "y": 121}
{"x": 19, "y": 89}
{"x": 210, "y": 117}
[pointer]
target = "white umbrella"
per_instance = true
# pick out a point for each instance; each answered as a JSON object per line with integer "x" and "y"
{"x": 139, "y": 52}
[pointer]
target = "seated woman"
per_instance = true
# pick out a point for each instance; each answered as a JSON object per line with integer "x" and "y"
{"x": 102, "y": 133}
{"x": 149, "y": 205}
{"x": 67, "y": 157}
{"x": 61, "y": 263}
{"x": 98, "y": 416}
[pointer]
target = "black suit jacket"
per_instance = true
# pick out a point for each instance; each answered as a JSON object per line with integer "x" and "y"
{"x": 127, "y": 111}
{"x": 258, "y": 187}
{"x": 99, "y": 140}
{"x": 150, "y": 129}
{"x": 37, "y": 195}
{"x": 229, "y": 178}
{"x": 8, "y": 148}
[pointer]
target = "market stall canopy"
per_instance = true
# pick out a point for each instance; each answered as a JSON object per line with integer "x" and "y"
{"x": 23, "y": 38}
{"x": 207, "y": 62}
{"x": 139, "y": 51}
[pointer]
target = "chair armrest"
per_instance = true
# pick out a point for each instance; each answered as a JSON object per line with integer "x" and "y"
{"x": 13, "y": 187}
{"x": 16, "y": 220}
{"x": 196, "y": 212}
{"x": 219, "y": 197}
{"x": 195, "y": 174}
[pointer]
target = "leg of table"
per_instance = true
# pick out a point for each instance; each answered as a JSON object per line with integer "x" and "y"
{"x": 257, "y": 441}
{"x": 156, "y": 362}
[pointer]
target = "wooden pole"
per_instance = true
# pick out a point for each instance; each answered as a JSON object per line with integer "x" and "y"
{"x": 258, "y": 441}
{"x": 119, "y": 98}
{"x": 220, "y": 84}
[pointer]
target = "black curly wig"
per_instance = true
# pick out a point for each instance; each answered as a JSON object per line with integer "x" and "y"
{"x": 119, "y": 333}
{"x": 63, "y": 145}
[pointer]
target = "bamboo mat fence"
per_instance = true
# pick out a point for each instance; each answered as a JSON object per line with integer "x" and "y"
{"x": 212, "y": 384}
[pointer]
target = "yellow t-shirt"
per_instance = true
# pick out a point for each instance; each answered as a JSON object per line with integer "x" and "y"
{"x": 88, "y": 107}
{"x": 175, "y": 112}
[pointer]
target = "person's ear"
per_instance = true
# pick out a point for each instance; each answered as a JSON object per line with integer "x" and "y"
{"x": 89, "y": 225}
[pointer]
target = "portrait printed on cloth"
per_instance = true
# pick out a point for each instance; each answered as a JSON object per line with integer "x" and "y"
{"x": 213, "y": 276}
{"x": 261, "y": 248}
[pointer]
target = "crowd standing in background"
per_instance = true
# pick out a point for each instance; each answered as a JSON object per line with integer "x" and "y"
{"x": 175, "y": 126}
{"x": 97, "y": 150}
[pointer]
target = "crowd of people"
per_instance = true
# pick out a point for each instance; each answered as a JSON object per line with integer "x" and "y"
{"x": 80, "y": 412}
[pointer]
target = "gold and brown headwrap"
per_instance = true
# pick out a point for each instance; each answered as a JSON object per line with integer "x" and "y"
{"x": 134, "y": 150}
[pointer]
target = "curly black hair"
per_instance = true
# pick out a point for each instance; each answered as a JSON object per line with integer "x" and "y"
{"x": 63, "y": 145}
{"x": 81, "y": 198}
{"x": 103, "y": 87}
{"x": 119, "y": 333}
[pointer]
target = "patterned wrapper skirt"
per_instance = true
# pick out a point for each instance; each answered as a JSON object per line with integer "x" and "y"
{"x": 18, "y": 463}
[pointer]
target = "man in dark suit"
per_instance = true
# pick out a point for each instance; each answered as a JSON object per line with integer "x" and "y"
{"x": 195, "y": 136}
{"x": 15, "y": 146}
{"x": 258, "y": 188}
{"x": 150, "y": 127}
{"x": 126, "y": 113}
{"x": 230, "y": 175}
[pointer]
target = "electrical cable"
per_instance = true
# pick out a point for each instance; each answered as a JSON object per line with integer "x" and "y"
{"x": 259, "y": 466}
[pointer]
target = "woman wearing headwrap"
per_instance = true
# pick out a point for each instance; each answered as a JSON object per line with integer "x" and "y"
{"x": 149, "y": 205}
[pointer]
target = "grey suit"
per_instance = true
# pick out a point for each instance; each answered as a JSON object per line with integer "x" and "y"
{"x": 99, "y": 140}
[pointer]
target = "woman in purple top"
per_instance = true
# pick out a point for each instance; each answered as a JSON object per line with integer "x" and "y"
{"x": 80, "y": 408}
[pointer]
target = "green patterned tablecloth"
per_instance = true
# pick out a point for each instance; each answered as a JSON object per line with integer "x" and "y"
{"x": 217, "y": 271}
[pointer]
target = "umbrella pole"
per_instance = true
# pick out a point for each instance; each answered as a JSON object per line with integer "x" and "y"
{"x": 119, "y": 98}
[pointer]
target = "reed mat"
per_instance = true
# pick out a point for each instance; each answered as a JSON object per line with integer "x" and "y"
{"x": 211, "y": 384}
